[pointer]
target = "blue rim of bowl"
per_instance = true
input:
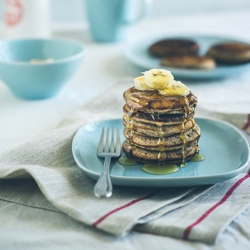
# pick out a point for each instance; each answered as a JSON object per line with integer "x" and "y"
{"x": 57, "y": 61}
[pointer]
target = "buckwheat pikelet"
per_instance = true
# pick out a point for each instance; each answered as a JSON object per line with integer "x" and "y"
{"x": 189, "y": 62}
{"x": 233, "y": 52}
{"x": 174, "y": 46}
{"x": 159, "y": 124}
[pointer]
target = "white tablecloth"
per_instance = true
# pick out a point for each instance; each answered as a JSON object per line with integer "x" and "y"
{"x": 104, "y": 64}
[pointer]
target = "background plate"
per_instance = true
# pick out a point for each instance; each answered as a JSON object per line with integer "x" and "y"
{"x": 225, "y": 148}
{"x": 136, "y": 51}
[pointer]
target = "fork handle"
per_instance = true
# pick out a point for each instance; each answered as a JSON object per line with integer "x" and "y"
{"x": 103, "y": 187}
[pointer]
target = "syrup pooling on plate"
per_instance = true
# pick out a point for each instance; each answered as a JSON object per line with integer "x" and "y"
{"x": 158, "y": 119}
{"x": 127, "y": 161}
{"x": 158, "y": 169}
{"x": 150, "y": 168}
{"x": 198, "y": 157}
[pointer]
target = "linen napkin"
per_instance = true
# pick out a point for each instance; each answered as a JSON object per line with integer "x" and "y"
{"x": 193, "y": 213}
{"x": 207, "y": 216}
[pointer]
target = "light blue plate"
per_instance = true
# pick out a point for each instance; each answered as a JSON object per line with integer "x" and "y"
{"x": 136, "y": 51}
{"x": 224, "y": 146}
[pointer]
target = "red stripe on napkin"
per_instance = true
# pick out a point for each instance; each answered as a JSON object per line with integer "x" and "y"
{"x": 226, "y": 196}
{"x": 247, "y": 125}
{"x": 96, "y": 223}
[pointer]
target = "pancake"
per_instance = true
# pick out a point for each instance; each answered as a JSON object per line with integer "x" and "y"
{"x": 162, "y": 143}
{"x": 230, "y": 53}
{"x": 143, "y": 155}
{"x": 151, "y": 102}
{"x": 189, "y": 62}
{"x": 175, "y": 46}
{"x": 156, "y": 129}
{"x": 155, "y": 118}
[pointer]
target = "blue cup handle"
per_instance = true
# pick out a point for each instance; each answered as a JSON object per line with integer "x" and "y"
{"x": 142, "y": 12}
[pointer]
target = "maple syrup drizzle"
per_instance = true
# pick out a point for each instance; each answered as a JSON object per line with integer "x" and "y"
{"x": 161, "y": 156}
{"x": 161, "y": 141}
{"x": 184, "y": 102}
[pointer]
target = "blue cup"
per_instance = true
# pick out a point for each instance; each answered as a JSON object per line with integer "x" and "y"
{"x": 109, "y": 19}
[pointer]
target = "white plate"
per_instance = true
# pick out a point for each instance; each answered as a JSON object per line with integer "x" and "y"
{"x": 136, "y": 51}
{"x": 225, "y": 148}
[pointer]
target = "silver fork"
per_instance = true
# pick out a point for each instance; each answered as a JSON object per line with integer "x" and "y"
{"x": 103, "y": 187}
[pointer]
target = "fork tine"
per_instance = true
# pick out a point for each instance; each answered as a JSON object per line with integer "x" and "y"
{"x": 118, "y": 142}
{"x": 107, "y": 141}
{"x": 100, "y": 145}
{"x": 112, "y": 147}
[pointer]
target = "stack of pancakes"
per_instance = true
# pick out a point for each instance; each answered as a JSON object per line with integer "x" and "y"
{"x": 159, "y": 129}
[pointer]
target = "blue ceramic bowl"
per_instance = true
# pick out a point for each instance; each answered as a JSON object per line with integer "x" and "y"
{"x": 38, "y": 68}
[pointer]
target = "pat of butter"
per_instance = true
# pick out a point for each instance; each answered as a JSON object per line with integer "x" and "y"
{"x": 39, "y": 61}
